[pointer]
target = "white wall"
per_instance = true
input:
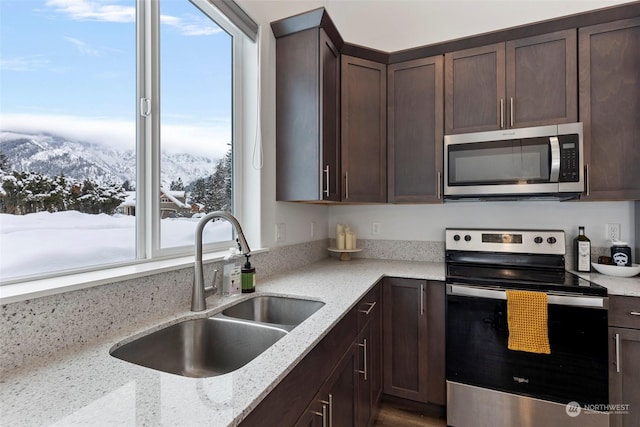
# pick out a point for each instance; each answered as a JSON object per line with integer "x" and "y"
{"x": 376, "y": 24}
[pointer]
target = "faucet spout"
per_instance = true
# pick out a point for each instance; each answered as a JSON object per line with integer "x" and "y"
{"x": 200, "y": 292}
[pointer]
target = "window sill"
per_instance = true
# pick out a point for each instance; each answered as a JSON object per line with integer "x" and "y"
{"x": 31, "y": 289}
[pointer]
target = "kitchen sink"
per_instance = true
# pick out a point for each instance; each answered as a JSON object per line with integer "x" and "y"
{"x": 201, "y": 348}
{"x": 282, "y": 311}
{"x": 227, "y": 341}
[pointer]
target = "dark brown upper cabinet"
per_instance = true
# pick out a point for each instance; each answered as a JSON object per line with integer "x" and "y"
{"x": 415, "y": 130}
{"x": 526, "y": 82}
{"x": 610, "y": 109}
{"x": 364, "y": 130}
{"x": 307, "y": 112}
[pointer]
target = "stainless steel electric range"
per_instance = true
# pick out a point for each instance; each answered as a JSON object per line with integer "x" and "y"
{"x": 487, "y": 383}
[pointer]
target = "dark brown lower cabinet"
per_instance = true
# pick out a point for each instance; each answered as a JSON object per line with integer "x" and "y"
{"x": 339, "y": 382}
{"x": 624, "y": 360}
{"x": 413, "y": 337}
{"x": 335, "y": 403}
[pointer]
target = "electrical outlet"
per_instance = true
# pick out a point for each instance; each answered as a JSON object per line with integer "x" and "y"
{"x": 613, "y": 232}
{"x": 281, "y": 232}
{"x": 375, "y": 228}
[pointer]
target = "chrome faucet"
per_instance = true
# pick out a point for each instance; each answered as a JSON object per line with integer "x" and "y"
{"x": 200, "y": 292}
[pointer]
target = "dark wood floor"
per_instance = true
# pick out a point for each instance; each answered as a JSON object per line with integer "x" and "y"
{"x": 395, "y": 415}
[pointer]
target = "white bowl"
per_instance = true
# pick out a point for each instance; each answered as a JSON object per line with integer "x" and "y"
{"x": 614, "y": 270}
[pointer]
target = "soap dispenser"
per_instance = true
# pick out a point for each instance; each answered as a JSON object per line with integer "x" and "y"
{"x": 231, "y": 273}
{"x": 248, "y": 277}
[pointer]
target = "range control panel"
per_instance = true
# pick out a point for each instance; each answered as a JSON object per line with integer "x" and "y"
{"x": 509, "y": 241}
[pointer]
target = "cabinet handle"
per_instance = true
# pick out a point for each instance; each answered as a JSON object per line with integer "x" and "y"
{"x": 438, "y": 182}
{"x": 422, "y": 299}
{"x": 364, "y": 347}
{"x": 617, "y": 338}
{"x": 371, "y": 305}
{"x": 346, "y": 185}
{"x": 501, "y": 113}
{"x": 586, "y": 178}
{"x": 511, "y": 111}
{"x": 322, "y": 414}
{"x": 634, "y": 313}
{"x": 326, "y": 171}
{"x": 327, "y": 419}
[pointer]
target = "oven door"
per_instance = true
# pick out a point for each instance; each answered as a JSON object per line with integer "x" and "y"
{"x": 477, "y": 353}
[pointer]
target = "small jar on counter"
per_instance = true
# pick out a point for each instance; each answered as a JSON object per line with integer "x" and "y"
{"x": 621, "y": 254}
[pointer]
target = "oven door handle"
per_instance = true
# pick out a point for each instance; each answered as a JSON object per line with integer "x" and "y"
{"x": 500, "y": 294}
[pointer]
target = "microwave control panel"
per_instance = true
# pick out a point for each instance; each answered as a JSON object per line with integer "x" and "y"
{"x": 569, "y": 158}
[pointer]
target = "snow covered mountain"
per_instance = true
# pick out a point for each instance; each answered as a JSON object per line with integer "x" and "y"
{"x": 53, "y": 155}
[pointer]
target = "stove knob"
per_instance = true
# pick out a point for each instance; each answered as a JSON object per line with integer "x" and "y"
{"x": 538, "y": 239}
{"x": 456, "y": 237}
{"x": 551, "y": 240}
{"x": 467, "y": 238}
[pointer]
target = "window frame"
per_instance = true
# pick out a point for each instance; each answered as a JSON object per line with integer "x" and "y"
{"x": 149, "y": 87}
{"x": 148, "y": 251}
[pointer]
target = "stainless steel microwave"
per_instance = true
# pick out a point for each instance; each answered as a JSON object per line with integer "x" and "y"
{"x": 544, "y": 162}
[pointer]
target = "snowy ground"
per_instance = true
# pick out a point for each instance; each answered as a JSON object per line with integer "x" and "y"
{"x": 46, "y": 242}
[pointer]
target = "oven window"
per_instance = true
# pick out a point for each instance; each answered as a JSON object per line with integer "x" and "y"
{"x": 500, "y": 162}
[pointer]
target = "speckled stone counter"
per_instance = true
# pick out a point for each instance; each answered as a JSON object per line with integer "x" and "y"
{"x": 86, "y": 386}
{"x": 626, "y": 286}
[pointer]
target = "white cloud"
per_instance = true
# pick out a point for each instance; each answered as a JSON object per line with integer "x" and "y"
{"x": 208, "y": 140}
{"x": 86, "y": 10}
{"x": 24, "y": 63}
{"x": 192, "y": 26}
{"x": 83, "y": 10}
{"x": 83, "y": 47}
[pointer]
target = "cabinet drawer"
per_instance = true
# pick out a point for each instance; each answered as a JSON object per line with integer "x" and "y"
{"x": 368, "y": 306}
{"x": 624, "y": 312}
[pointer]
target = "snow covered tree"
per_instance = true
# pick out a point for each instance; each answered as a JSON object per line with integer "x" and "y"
{"x": 93, "y": 198}
{"x": 214, "y": 191}
{"x": 5, "y": 165}
{"x": 176, "y": 185}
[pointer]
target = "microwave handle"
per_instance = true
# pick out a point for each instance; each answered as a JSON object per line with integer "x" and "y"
{"x": 555, "y": 159}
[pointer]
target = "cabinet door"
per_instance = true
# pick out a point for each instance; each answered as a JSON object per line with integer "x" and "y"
{"x": 415, "y": 108}
{"x": 542, "y": 80}
{"x": 475, "y": 89}
{"x": 330, "y": 118}
{"x": 307, "y": 119}
{"x": 364, "y": 124}
{"x": 436, "y": 385}
{"x": 365, "y": 399}
{"x": 369, "y": 356}
{"x": 405, "y": 338}
{"x": 335, "y": 403}
{"x": 624, "y": 376}
{"x": 610, "y": 109}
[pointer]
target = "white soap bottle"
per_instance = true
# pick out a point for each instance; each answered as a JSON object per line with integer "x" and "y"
{"x": 232, "y": 273}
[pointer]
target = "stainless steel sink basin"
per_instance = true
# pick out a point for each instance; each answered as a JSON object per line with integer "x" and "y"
{"x": 200, "y": 348}
{"x": 282, "y": 311}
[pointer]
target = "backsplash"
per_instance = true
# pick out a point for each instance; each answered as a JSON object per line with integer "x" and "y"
{"x": 415, "y": 250}
{"x": 34, "y": 329}
{"x": 31, "y": 330}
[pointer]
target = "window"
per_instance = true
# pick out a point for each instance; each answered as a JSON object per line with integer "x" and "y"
{"x": 116, "y": 131}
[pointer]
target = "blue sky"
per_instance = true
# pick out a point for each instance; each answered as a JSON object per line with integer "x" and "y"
{"x": 68, "y": 66}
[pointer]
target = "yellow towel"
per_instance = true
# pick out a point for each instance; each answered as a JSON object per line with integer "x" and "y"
{"x": 527, "y": 319}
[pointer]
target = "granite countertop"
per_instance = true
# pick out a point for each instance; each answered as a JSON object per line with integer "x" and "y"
{"x": 89, "y": 387}
{"x": 625, "y": 286}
